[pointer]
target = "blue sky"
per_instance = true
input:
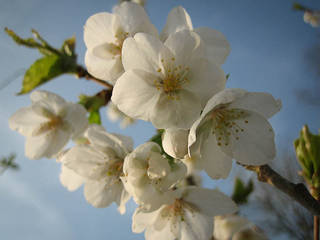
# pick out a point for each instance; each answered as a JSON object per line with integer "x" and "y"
{"x": 270, "y": 45}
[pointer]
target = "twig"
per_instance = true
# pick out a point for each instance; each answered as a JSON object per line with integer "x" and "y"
{"x": 316, "y": 227}
{"x": 298, "y": 192}
{"x": 83, "y": 73}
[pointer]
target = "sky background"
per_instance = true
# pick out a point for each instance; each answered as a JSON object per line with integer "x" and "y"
{"x": 272, "y": 50}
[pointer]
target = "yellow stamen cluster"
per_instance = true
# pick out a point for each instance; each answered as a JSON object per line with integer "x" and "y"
{"x": 53, "y": 123}
{"x": 115, "y": 169}
{"x": 173, "y": 78}
{"x": 225, "y": 125}
{"x": 116, "y": 48}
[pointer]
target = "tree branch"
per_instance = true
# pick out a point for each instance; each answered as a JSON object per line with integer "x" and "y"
{"x": 298, "y": 192}
{"x": 83, "y": 73}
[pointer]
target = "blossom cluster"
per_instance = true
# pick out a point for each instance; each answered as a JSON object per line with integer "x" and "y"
{"x": 175, "y": 81}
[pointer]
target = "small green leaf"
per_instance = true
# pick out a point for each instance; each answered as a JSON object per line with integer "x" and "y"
{"x": 299, "y": 7}
{"x": 45, "y": 69}
{"x": 94, "y": 117}
{"x": 241, "y": 192}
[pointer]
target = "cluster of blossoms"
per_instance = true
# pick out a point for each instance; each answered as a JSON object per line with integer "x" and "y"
{"x": 174, "y": 80}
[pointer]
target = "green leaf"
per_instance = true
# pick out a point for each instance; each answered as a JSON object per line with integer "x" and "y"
{"x": 94, "y": 117}
{"x": 45, "y": 69}
{"x": 241, "y": 192}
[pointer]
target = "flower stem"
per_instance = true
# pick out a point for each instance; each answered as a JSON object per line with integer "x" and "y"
{"x": 316, "y": 227}
{"x": 81, "y": 72}
{"x": 298, "y": 191}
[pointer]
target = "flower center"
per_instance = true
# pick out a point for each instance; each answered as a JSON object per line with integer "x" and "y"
{"x": 53, "y": 123}
{"x": 225, "y": 125}
{"x": 116, "y": 47}
{"x": 173, "y": 78}
{"x": 115, "y": 169}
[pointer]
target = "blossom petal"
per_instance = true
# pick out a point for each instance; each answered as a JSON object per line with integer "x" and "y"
{"x": 101, "y": 194}
{"x": 210, "y": 202}
{"x": 135, "y": 95}
{"x": 134, "y": 19}
{"x": 260, "y": 102}
{"x": 206, "y": 79}
{"x": 176, "y": 113}
{"x": 36, "y": 147}
{"x": 142, "y": 218}
{"x": 255, "y": 145}
{"x": 84, "y": 160}
{"x": 98, "y": 29}
{"x": 214, "y": 161}
{"x": 69, "y": 179}
{"x": 177, "y": 20}
{"x": 175, "y": 142}
{"x": 77, "y": 118}
{"x": 196, "y": 226}
{"x": 185, "y": 45}
{"x": 26, "y": 121}
{"x": 50, "y": 101}
{"x": 217, "y": 46}
{"x": 143, "y": 52}
{"x": 108, "y": 69}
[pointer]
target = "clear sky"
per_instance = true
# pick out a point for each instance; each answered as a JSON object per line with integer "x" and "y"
{"x": 272, "y": 51}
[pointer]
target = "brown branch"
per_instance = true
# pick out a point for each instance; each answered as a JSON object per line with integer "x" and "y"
{"x": 298, "y": 192}
{"x": 83, "y": 73}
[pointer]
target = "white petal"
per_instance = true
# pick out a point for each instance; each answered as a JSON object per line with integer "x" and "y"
{"x": 60, "y": 138}
{"x": 209, "y": 201}
{"x": 260, "y": 102}
{"x": 135, "y": 94}
{"x": 178, "y": 19}
{"x": 77, "y": 118}
{"x": 158, "y": 166}
{"x": 205, "y": 79}
{"x": 226, "y": 226}
{"x": 176, "y": 113}
{"x": 143, "y": 52}
{"x": 98, "y": 29}
{"x": 108, "y": 69}
{"x": 122, "y": 201}
{"x": 142, "y": 219}
{"x": 255, "y": 145}
{"x": 175, "y": 142}
{"x": 46, "y": 145}
{"x": 218, "y": 47}
{"x": 165, "y": 234}
{"x": 36, "y": 147}
{"x": 185, "y": 45}
{"x": 86, "y": 161}
{"x": 26, "y": 121}
{"x": 50, "y": 101}
{"x": 70, "y": 179}
{"x": 215, "y": 162}
{"x": 224, "y": 97}
{"x": 134, "y": 19}
{"x": 102, "y": 193}
{"x": 196, "y": 226}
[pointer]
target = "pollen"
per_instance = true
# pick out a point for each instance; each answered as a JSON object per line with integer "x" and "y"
{"x": 225, "y": 125}
{"x": 173, "y": 79}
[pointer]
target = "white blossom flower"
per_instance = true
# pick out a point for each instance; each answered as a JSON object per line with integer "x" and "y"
{"x": 100, "y": 162}
{"x": 175, "y": 142}
{"x": 312, "y": 17}
{"x": 104, "y": 34}
{"x": 234, "y": 227}
{"x": 68, "y": 177}
{"x": 233, "y": 125}
{"x": 48, "y": 124}
{"x": 187, "y": 217}
{"x": 166, "y": 83}
{"x": 115, "y": 114}
{"x": 148, "y": 175}
{"x": 217, "y": 46}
